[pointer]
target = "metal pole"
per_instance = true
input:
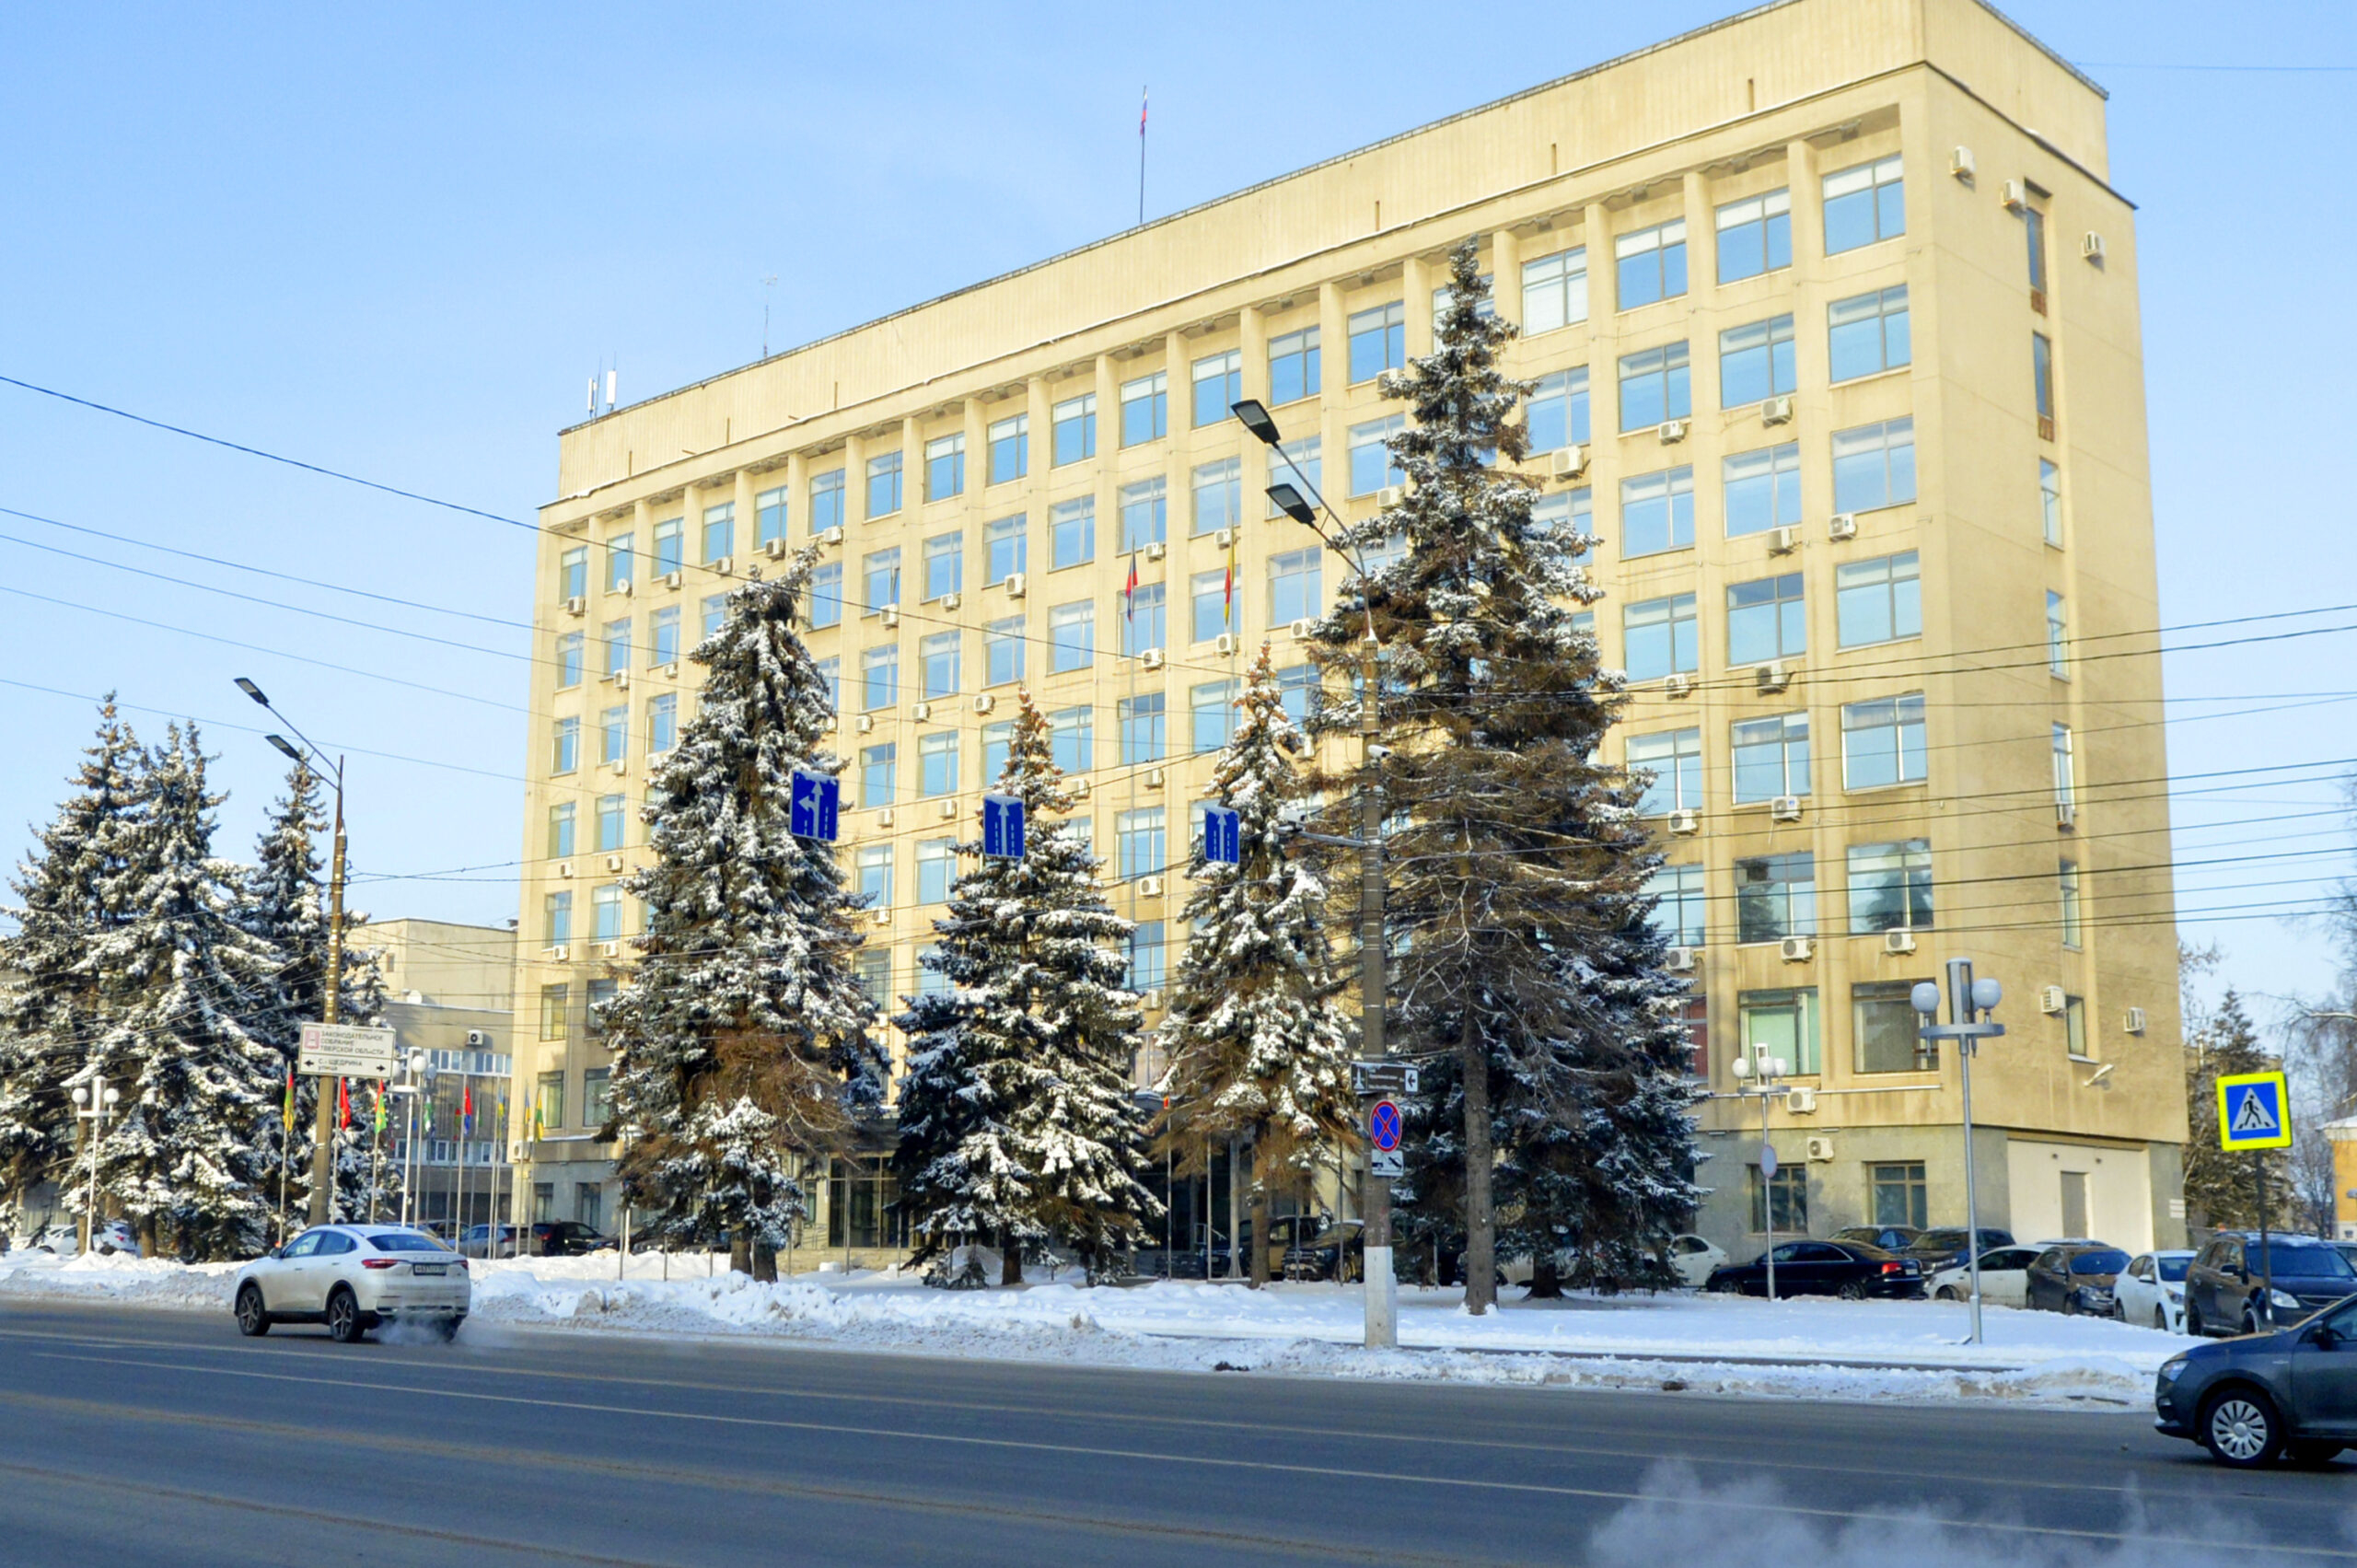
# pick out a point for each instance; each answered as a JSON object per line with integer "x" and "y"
{"x": 2266, "y": 1253}
{"x": 323, "y": 1121}
{"x": 1768, "y": 1195}
{"x": 1961, "y": 1011}
{"x": 1382, "y": 1284}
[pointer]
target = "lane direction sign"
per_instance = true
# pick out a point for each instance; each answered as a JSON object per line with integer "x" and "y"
{"x": 1003, "y": 827}
{"x": 817, "y": 803}
{"x": 2253, "y": 1111}
{"x": 1222, "y": 835}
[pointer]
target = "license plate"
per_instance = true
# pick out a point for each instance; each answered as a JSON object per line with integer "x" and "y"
{"x": 429, "y": 1268}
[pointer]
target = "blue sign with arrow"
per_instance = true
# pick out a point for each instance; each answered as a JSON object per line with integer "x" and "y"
{"x": 1003, "y": 827}
{"x": 1222, "y": 835}
{"x": 817, "y": 802}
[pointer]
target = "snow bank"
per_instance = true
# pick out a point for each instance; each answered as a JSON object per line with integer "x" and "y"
{"x": 117, "y": 1278}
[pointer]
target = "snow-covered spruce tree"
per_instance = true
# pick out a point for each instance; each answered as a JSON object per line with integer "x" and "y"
{"x": 1515, "y": 849}
{"x": 743, "y": 987}
{"x": 182, "y": 980}
{"x": 66, "y": 897}
{"x": 1017, "y": 1124}
{"x": 1258, "y": 1048}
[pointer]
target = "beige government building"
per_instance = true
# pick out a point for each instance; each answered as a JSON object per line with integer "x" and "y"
{"x": 1833, "y": 321}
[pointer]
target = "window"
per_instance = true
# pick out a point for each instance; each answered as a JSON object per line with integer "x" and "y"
{"x": 1219, "y": 495}
{"x": 826, "y": 501}
{"x": 1071, "y": 532}
{"x": 1655, "y": 384}
{"x": 1554, "y": 290}
{"x": 617, "y": 644}
{"x": 872, "y": 966}
{"x": 2041, "y": 361}
{"x": 1145, "y": 408}
{"x": 1071, "y": 740}
{"x": 719, "y": 533}
{"x": 1658, "y": 637}
{"x": 1071, "y": 636}
{"x": 1295, "y": 588}
{"x": 1785, "y": 1022}
{"x": 879, "y": 677}
{"x": 2075, "y": 1028}
{"x": 556, "y": 918}
{"x": 1146, "y": 951}
{"x": 1003, "y": 549}
{"x": 712, "y": 611}
{"x": 998, "y": 738}
{"x": 937, "y": 869}
{"x": 670, "y": 547}
{"x": 1213, "y": 704}
{"x": 1883, "y": 1022}
{"x": 606, "y": 912}
{"x": 663, "y": 646}
{"x": 883, "y": 484}
{"x": 1890, "y": 887}
{"x": 553, "y": 1007}
{"x": 1445, "y": 295}
{"x": 1379, "y": 341}
{"x": 1874, "y": 466}
{"x": 1863, "y": 204}
{"x": 1771, "y": 758}
{"x": 937, "y": 663}
{"x": 830, "y": 675}
{"x": 1141, "y": 728}
{"x": 1144, "y": 515}
{"x": 1675, "y": 760}
{"x": 1756, "y": 362}
{"x": 875, "y": 770}
{"x": 613, "y": 824}
{"x": 1010, "y": 448}
{"x": 1775, "y": 896}
{"x": 1298, "y": 689}
{"x": 1900, "y": 1196}
{"x": 1138, "y": 842}
{"x": 945, "y": 467}
{"x": 937, "y": 763}
{"x": 1568, "y": 513}
{"x": 2058, "y": 637}
{"x": 879, "y": 580}
{"x": 2034, "y": 232}
{"x": 2067, "y": 884}
{"x": 551, "y": 1100}
{"x": 2050, "y": 500}
{"x": 1303, "y": 454}
{"x": 1680, "y": 912}
{"x": 1762, "y": 489}
{"x": 1219, "y": 382}
{"x": 1076, "y": 430}
{"x": 1766, "y": 619}
{"x": 613, "y": 736}
{"x": 568, "y": 660}
{"x": 2066, "y": 773}
{"x": 1002, "y": 643}
{"x": 566, "y": 747}
{"x": 1652, "y": 263}
{"x": 617, "y": 563}
{"x": 560, "y": 832}
{"x": 1882, "y": 742}
{"x": 1755, "y": 236}
{"x": 826, "y": 596}
{"x": 1867, "y": 334}
{"x": 1372, "y": 466}
{"x": 769, "y": 515}
{"x": 1657, "y": 513}
{"x": 944, "y": 564}
{"x": 1294, "y": 370}
{"x": 1145, "y": 619}
{"x": 593, "y": 1112}
{"x": 875, "y": 876}
{"x": 1879, "y": 600}
{"x": 1558, "y": 410}
{"x": 572, "y": 572}
{"x": 1782, "y": 1198}
{"x": 1208, "y": 599}
{"x": 662, "y": 723}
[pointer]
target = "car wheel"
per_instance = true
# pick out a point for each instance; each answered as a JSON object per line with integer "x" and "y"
{"x": 2070, "y": 1306}
{"x": 1855, "y": 1290}
{"x": 2313, "y": 1453}
{"x": 1949, "y": 1293}
{"x": 447, "y": 1328}
{"x": 252, "y": 1320}
{"x": 2240, "y": 1427}
{"x": 345, "y": 1325}
{"x": 2251, "y": 1321}
{"x": 2193, "y": 1324}
{"x": 2161, "y": 1319}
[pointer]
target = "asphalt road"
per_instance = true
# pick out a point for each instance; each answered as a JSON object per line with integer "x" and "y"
{"x": 131, "y": 1438}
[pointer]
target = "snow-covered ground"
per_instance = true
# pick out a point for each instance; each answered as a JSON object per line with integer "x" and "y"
{"x": 1828, "y": 1349}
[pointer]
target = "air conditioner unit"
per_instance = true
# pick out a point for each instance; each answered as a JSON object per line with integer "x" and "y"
{"x": 1686, "y": 821}
{"x": 1774, "y": 676}
{"x": 1960, "y": 163}
{"x": 577, "y": 605}
{"x": 1224, "y": 539}
{"x": 1151, "y": 659}
{"x": 672, "y": 580}
{"x": 564, "y": 869}
{"x": 1081, "y": 789}
{"x": 774, "y": 549}
{"x": 1677, "y": 686}
{"x": 1149, "y": 886}
{"x": 1016, "y": 585}
{"x": 2015, "y": 197}
{"x": 984, "y": 702}
{"x": 614, "y": 862}
{"x": 669, "y": 671}
{"x": 831, "y": 723}
{"x": 2051, "y": 999}
{"x": 1785, "y": 808}
{"x": 1391, "y": 495}
{"x": 830, "y": 536}
{"x": 1783, "y": 540}
{"x": 889, "y": 616}
{"x": 1801, "y": 1101}
{"x": 952, "y": 601}
{"x": 610, "y": 949}
{"x": 1672, "y": 430}
{"x": 2133, "y": 1022}
{"x": 1304, "y": 629}
{"x": 726, "y": 565}
{"x": 1225, "y": 643}
{"x": 1153, "y": 999}
{"x": 949, "y": 809}
{"x": 1896, "y": 942}
{"x": 881, "y": 915}
{"x": 1776, "y": 411}
{"x": 477, "y": 1040}
{"x": 1153, "y": 778}
{"x": 1569, "y": 463}
{"x": 1798, "y": 949}
{"x": 621, "y": 679}
{"x": 1157, "y": 550}
{"x": 1681, "y": 960}
{"x": 559, "y": 953}
{"x": 1820, "y": 1150}
{"x": 618, "y": 765}
{"x": 622, "y": 586}
{"x": 884, "y": 817}
{"x": 920, "y": 712}
{"x": 2090, "y": 246}
{"x": 1843, "y": 526}
{"x": 2065, "y": 814}
{"x": 864, "y": 724}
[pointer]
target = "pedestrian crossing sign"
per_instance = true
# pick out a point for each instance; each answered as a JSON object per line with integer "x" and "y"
{"x": 2252, "y": 1111}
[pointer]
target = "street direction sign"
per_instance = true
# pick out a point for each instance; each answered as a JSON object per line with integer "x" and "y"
{"x": 817, "y": 802}
{"x": 1768, "y": 1162}
{"x": 1222, "y": 836}
{"x": 343, "y": 1050}
{"x": 1383, "y": 1078}
{"x": 1387, "y": 1164}
{"x": 1383, "y": 1125}
{"x": 2253, "y": 1111}
{"x": 1003, "y": 827}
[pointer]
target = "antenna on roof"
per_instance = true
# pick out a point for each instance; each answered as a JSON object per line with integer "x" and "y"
{"x": 593, "y": 395}
{"x": 768, "y": 284}
{"x": 612, "y": 386}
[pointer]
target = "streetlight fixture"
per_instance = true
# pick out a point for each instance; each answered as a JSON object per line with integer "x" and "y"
{"x": 1970, "y": 1002}
{"x": 93, "y": 1109}
{"x": 1757, "y": 1067}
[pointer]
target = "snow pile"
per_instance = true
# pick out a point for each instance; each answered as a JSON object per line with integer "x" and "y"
{"x": 118, "y": 1279}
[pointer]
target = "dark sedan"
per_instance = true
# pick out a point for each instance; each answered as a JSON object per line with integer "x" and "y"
{"x": 1937, "y": 1249}
{"x": 1850, "y": 1269}
{"x": 2227, "y": 1280}
{"x": 1889, "y": 1237}
{"x": 2254, "y": 1400}
{"x": 2076, "y": 1279}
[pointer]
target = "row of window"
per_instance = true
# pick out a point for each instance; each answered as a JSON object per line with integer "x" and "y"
{"x": 1882, "y": 744}
{"x": 1889, "y": 887}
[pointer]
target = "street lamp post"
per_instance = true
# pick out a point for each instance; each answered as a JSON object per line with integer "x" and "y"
{"x": 415, "y": 1078}
{"x": 94, "y": 1109}
{"x": 1756, "y": 1067}
{"x": 1969, "y": 1002}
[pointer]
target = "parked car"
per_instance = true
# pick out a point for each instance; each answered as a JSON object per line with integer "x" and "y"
{"x": 2253, "y": 1399}
{"x": 1850, "y": 1269}
{"x": 478, "y": 1241}
{"x": 562, "y": 1238}
{"x": 2225, "y": 1281}
{"x": 1694, "y": 1260}
{"x": 354, "y": 1278}
{"x": 2347, "y": 1250}
{"x": 1889, "y": 1237}
{"x": 2005, "y": 1278}
{"x": 1315, "y": 1248}
{"x": 1935, "y": 1249}
{"x": 2151, "y": 1294}
{"x": 2075, "y": 1279}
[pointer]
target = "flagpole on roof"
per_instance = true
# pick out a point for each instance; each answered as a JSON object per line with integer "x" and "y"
{"x": 1142, "y": 106}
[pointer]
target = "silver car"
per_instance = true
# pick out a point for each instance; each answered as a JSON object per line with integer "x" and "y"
{"x": 354, "y": 1278}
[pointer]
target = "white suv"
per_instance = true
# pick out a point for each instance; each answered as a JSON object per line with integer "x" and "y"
{"x": 353, "y": 1277}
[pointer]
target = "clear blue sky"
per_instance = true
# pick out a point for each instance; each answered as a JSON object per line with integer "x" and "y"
{"x": 398, "y": 240}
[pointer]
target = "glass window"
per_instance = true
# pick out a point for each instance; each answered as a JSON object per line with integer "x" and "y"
{"x": 1900, "y": 1196}
{"x": 556, "y": 918}
{"x": 1138, "y": 842}
{"x": 1655, "y": 384}
{"x": 2067, "y": 884}
{"x": 550, "y": 1101}
{"x": 1782, "y": 1198}
{"x": 572, "y": 572}
{"x": 945, "y": 467}
{"x": 613, "y": 736}
{"x": 670, "y": 547}
{"x": 1864, "y": 204}
{"x": 1010, "y": 448}
{"x": 663, "y": 647}
{"x": 1145, "y": 408}
{"x": 938, "y": 657}
{"x": 1658, "y": 637}
{"x": 1145, "y": 619}
{"x": 719, "y": 533}
{"x": 1144, "y": 515}
{"x": 2066, "y": 771}
{"x": 1570, "y": 513}
{"x": 1298, "y": 687}
{"x": 769, "y": 515}
{"x": 1680, "y": 912}
{"x": 1219, "y": 495}
{"x": 2050, "y": 500}
{"x": 1882, "y": 742}
{"x": 1771, "y": 758}
{"x": 883, "y": 484}
{"x": 554, "y": 999}
{"x": 618, "y": 569}
{"x": 1219, "y": 382}
{"x": 1214, "y": 707}
{"x": 879, "y": 580}
{"x": 1652, "y": 263}
{"x": 1890, "y": 887}
{"x": 875, "y": 876}
{"x": 1756, "y": 362}
{"x": 1755, "y": 236}
{"x": 606, "y": 912}
{"x": 662, "y": 723}
{"x": 937, "y": 763}
{"x": 1294, "y": 591}
{"x": 1762, "y": 489}
{"x": 1294, "y": 367}
{"x": 1072, "y": 738}
{"x": 826, "y": 596}
{"x": 1141, "y": 728}
{"x": 617, "y": 645}
{"x": 1372, "y": 464}
{"x": 1003, "y": 549}
{"x": 1775, "y": 896}
{"x": 877, "y": 765}
{"x": 1075, "y": 429}
{"x": 1445, "y": 295}
{"x": 1071, "y": 636}
{"x": 1766, "y": 619}
{"x": 944, "y": 564}
{"x": 937, "y": 869}
{"x": 1867, "y": 334}
{"x": 566, "y": 748}
{"x": 2058, "y": 637}
{"x": 1002, "y": 643}
{"x": 1558, "y": 410}
{"x": 2075, "y": 1028}
{"x": 1379, "y": 341}
{"x": 712, "y": 611}
{"x": 594, "y": 1101}
{"x": 1675, "y": 760}
{"x": 1883, "y": 1022}
{"x": 872, "y": 966}
{"x": 1785, "y": 1022}
{"x": 612, "y": 822}
{"x": 1879, "y": 600}
{"x": 879, "y": 677}
{"x": 826, "y": 500}
{"x": 1146, "y": 952}
{"x": 997, "y": 739}
{"x": 568, "y": 660}
{"x": 1554, "y": 290}
{"x": 2034, "y": 233}
{"x": 2042, "y": 371}
{"x": 1874, "y": 466}
{"x": 1657, "y": 512}
{"x": 1208, "y": 602}
{"x": 1071, "y": 532}
{"x": 1305, "y": 456}
{"x": 560, "y": 832}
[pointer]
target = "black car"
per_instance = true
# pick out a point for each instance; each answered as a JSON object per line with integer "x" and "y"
{"x": 2226, "y": 1280}
{"x": 1850, "y": 1269}
{"x": 565, "y": 1239}
{"x": 1889, "y": 1237}
{"x": 2253, "y": 1399}
{"x": 2074, "y": 1279}
{"x": 1944, "y": 1248}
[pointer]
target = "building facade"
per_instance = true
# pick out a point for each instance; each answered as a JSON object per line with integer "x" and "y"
{"x": 1838, "y": 359}
{"x": 449, "y": 993}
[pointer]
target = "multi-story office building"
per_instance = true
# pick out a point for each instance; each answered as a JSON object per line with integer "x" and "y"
{"x": 1832, "y": 320}
{"x": 449, "y": 993}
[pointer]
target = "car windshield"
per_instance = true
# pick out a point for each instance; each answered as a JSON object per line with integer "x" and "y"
{"x": 2173, "y": 1268}
{"x": 2107, "y": 1262}
{"x": 405, "y": 1241}
{"x": 2317, "y": 1263}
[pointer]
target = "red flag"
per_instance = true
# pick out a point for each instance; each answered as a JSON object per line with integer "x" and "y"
{"x": 1130, "y": 591}
{"x": 467, "y": 1107}
{"x": 344, "y": 1101}
{"x": 1142, "y": 105}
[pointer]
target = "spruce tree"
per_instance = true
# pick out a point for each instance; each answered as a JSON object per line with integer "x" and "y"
{"x": 1258, "y": 1047}
{"x": 744, "y": 989}
{"x": 1017, "y": 1123}
{"x": 2221, "y": 1189}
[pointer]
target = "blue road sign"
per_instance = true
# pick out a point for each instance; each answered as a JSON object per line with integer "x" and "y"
{"x": 817, "y": 800}
{"x": 1003, "y": 827}
{"x": 1383, "y": 1125}
{"x": 1222, "y": 836}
